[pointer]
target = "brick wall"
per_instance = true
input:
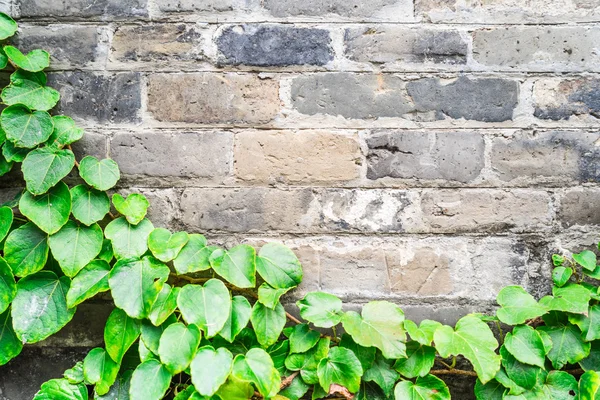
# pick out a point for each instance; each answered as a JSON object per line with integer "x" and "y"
{"x": 427, "y": 152}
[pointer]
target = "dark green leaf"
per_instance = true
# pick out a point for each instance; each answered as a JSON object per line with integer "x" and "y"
{"x": 592, "y": 361}
{"x": 526, "y": 345}
{"x": 419, "y": 361}
{"x": 26, "y": 250}
{"x": 151, "y": 334}
{"x": 65, "y": 132}
{"x": 279, "y": 266}
{"x": 5, "y": 166}
{"x": 26, "y": 128}
{"x": 279, "y": 352}
{"x": 49, "y": 211}
{"x": 210, "y": 369}
{"x": 342, "y": 367}
{"x": 10, "y": 345}
{"x": 366, "y": 355}
{"x": 8, "y": 286}
{"x": 75, "y": 246}
{"x": 89, "y": 205}
{"x": 101, "y": 175}
{"x": 308, "y": 362}
{"x": 207, "y": 306}
{"x": 91, "y": 280}
{"x": 6, "y": 220}
{"x": 493, "y": 390}
{"x": 295, "y": 390}
{"x": 303, "y": 338}
{"x": 120, "y": 390}
{"x": 120, "y": 333}
{"x": 44, "y": 168}
{"x": 523, "y": 375}
{"x": 128, "y": 241}
{"x": 568, "y": 345}
{"x": 382, "y": 373}
{"x": 11, "y": 153}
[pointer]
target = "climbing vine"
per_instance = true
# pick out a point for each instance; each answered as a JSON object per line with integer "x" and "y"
{"x": 195, "y": 321}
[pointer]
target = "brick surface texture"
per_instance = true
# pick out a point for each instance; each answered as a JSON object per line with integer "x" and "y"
{"x": 427, "y": 152}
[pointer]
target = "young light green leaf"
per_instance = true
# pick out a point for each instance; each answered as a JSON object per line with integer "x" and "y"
{"x": 100, "y": 370}
{"x": 589, "y": 386}
{"x": 473, "y": 339}
{"x": 75, "y": 375}
{"x": 234, "y": 389}
{"x": 342, "y": 367}
{"x": 120, "y": 333}
{"x": 8, "y": 286}
{"x": 10, "y": 345}
{"x": 382, "y": 373}
{"x": 34, "y": 61}
{"x": 75, "y": 246}
{"x": 267, "y": 323}
{"x": 150, "y": 381}
{"x": 26, "y": 128}
{"x": 207, "y": 306}
{"x": 425, "y": 388}
{"x": 526, "y": 345}
{"x": 65, "y": 132}
{"x": 418, "y": 362}
{"x": 89, "y": 205}
{"x": 26, "y": 250}
{"x": 44, "y": 168}
{"x": 237, "y": 265}
{"x": 269, "y": 296}
{"x": 61, "y": 389}
{"x": 238, "y": 318}
{"x": 40, "y": 306}
{"x": 561, "y": 275}
{"x": 571, "y": 298}
{"x": 324, "y": 310}
{"x": 6, "y": 220}
{"x": 257, "y": 367}
{"x": 101, "y": 175}
{"x": 165, "y": 305}
{"x": 194, "y": 256}
{"x": 90, "y": 281}
{"x": 165, "y": 246}
{"x": 25, "y": 89}
{"x": 178, "y": 345}
{"x": 49, "y": 211}
{"x": 134, "y": 208}
{"x": 568, "y": 345}
{"x": 424, "y": 333}
{"x": 381, "y": 326}
{"x": 128, "y": 241}
{"x": 210, "y": 369}
{"x": 8, "y": 26}
{"x": 518, "y": 306}
{"x": 587, "y": 259}
{"x": 279, "y": 266}
{"x": 135, "y": 284}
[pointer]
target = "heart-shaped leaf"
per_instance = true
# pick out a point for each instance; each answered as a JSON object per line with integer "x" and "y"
{"x": 74, "y": 246}
{"x": 100, "y": 370}
{"x": 526, "y": 345}
{"x": 257, "y": 367}
{"x": 237, "y": 265}
{"x": 589, "y": 386}
{"x": 61, "y": 389}
{"x": 303, "y": 338}
{"x": 128, "y": 241}
{"x": 518, "y": 306}
{"x": 11, "y": 153}
{"x": 269, "y": 296}
{"x": 279, "y": 266}
{"x": 383, "y": 374}
{"x": 523, "y": 375}
{"x": 91, "y": 280}
{"x": 34, "y": 61}
{"x": 49, "y": 211}
{"x": 26, "y": 89}
{"x": 561, "y": 275}
{"x": 194, "y": 256}
{"x": 324, "y": 310}
{"x": 423, "y": 333}
{"x": 6, "y": 220}
{"x": 165, "y": 305}
{"x": 89, "y": 205}
{"x": 151, "y": 334}
{"x": 120, "y": 389}
{"x": 149, "y": 381}
{"x": 568, "y": 345}
{"x": 426, "y": 388}
{"x": 587, "y": 259}
{"x": 10, "y": 345}
{"x": 8, "y": 26}
{"x": 75, "y": 374}
{"x": 165, "y": 246}
{"x": 207, "y": 306}
{"x": 135, "y": 284}
{"x": 308, "y": 362}
{"x": 39, "y": 309}
{"x": 120, "y": 333}
{"x": 101, "y": 175}
{"x": 134, "y": 208}
{"x": 210, "y": 369}
{"x": 366, "y": 355}
{"x": 342, "y": 367}
{"x": 26, "y": 250}
{"x": 26, "y": 128}
{"x": 418, "y": 362}
{"x": 5, "y": 166}
{"x": 65, "y": 132}
{"x": 44, "y": 168}
{"x": 178, "y": 345}
{"x": 8, "y": 286}
{"x": 571, "y": 298}
{"x": 267, "y": 323}
{"x": 238, "y": 318}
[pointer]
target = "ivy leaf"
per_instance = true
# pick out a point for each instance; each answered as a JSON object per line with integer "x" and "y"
{"x": 150, "y": 381}
{"x": 366, "y": 355}
{"x": 568, "y": 345}
{"x": 587, "y": 259}
{"x": 10, "y": 345}
{"x": 135, "y": 284}
{"x": 296, "y": 389}
{"x": 269, "y": 296}
{"x": 369, "y": 391}
{"x": 303, "y": 338}
{"x": 590, "y": 325}
{"x": 165, "y": 246}
{"x": 27, "y": 90}
{"x": 279, "y": 266}
{"x": 178, "y": 345}
{"x": 75, "y": 246}
{"x": 134, "y": 208}
{"x": 120, "y": 333}
{"x": 120, "y": 390}
{"x": 493, "y": 390}
{"x": 128, "y": 241}
{"x": 210, "y": 369}
{"x": 526, "y": 345}
{"x": 6, "y": 220}
{"x": 279, "y": 352}
{"x": 267, "y": 323}
{"x": 556, "y": 385}
{"x": 418, "y": 362}
{"x": 324, "y": 310}
{"x": 100, "y": 370}
{"x": 90, "y": 281}
{"x": 308, "y": 362}
{"x": 34, "y": 61}
{"x": 5, "y": 166}
{"x": 39, "y": 309}
{"x": 101, "y": 175}
{"x": 379, "y": 326}
{"x": 257, "y": 367}
{"x": 237, "y": 265}
{"x": 424, "y": 333}
{"x": 165, "y": 305}
{"x": 49, "y": 211}
{"x": 518, "y": 306}
{"x": 342, "y": 367}
{"x": 106, "y": 254}
{"x": 12, "y": 153}
{"x": 8, "y": 26}
{"x": 44, "y": 168}
{"x": 382, "y": 373}
{"x": 207, "y": 306}
{"x": 26, "y": 250}
{"x": 473, "y": 339}
{"x": 524, "y": 375}
{"x": 8, "y": 286}
{"x": 61, "y": 389}
{"x": 589, "y": 386}
{"x": 151, "y": 334}
{"x": 425, "y": 388}
{"x": 89, "y": 205}
{"x": 75, "y": 375}
{"x": 26, "y": 128}
{"x": 571, "y": 298}
{"x": 65, "y": 132}
{"x": 234, "y": 389}
{"x": 561, "y": 275}
{"x": 194, "y": 255}
{"x": 238, "y": 318}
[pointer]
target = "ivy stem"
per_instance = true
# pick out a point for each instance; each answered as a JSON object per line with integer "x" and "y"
{"x": 500, "y": 332}
{"x": 288, "y": 381}
{"x": 76, "y": 162}
{"x": 445, "y": 364}
{"x": 452, "y": 372}
{"x": 335, "y": 336}
{"x": 453, "y": 362}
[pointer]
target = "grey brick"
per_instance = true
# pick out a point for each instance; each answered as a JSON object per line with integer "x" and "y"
{"x": 486, "y": 99}
{"x": 274, "y": 45}
{"x": 102, "y": 98}
{"x": 579, "y": 207}
{"x": 451, "y": 156}
{"x": 104, "y": 9}
{"x": 200, "y": 5}
{"x": 345, "y": 8}
{"x": 91, "y": 144}
{"x": 69, "y": 46}
{"x": 387, "y": 44}
{"x": 562, "y": 99}
{"x": 547, "y": 157}
{"x": 164, "y": 205}
{"x": 173, "y": 154}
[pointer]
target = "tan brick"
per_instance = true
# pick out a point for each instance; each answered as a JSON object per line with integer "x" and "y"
{"x": 294, "y": 157}
{"x": 427, "y": 274}
{"x": 213, "y": 98}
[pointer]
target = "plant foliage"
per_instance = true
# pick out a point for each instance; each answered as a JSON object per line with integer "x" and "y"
{"x": 195, "y": 321}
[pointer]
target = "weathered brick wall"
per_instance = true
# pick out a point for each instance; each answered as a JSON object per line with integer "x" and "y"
{"x": 427, "y": 152}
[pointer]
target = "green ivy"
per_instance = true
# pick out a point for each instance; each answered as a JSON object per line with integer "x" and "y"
{"x": 195, "y": 321}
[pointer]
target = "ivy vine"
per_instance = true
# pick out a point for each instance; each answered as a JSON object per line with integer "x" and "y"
{"x": 195, "y": 321}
